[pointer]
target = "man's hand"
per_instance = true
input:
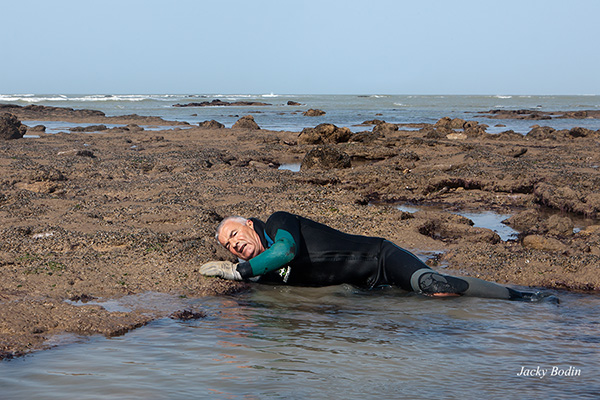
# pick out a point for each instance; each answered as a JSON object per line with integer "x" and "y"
{"x": 223, "y": 269}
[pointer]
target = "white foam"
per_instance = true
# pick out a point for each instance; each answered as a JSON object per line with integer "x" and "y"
{"x": 503, "y": 97}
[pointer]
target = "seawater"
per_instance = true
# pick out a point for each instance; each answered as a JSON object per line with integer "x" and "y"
{"x": 341, "y": 110}
{"x": 335, "y": 343}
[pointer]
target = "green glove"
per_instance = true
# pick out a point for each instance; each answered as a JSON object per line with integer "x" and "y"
{"x": 223, "y": 269}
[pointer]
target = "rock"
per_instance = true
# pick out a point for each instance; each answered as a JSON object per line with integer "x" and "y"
{"x": 542, "y": 133}
{"x": 384, "y": 127}
{"x": 212, "y": 124}
{"x": 364, "y": 137}
{"x": 514, "y": 152}
{"x": 246, "y": 122}
{"x": 324, "y": 133}
{"x": 525, "y": 221}
{"x": 537, "y": 242}
{"x": 313, "y": 113}
{"x": 456, "y": 136}
{"x": 325, "y": 157}
{"x": 457, "y": 123}
{"x": 580, "y": 132}
{"x": 37, "y": 129}
{"x": 293, "y": 103}
{"x": 508, "y": 135}
{"x": 91, "y": 128}
{"x": 220, "y": 103}
{"x": 11, "y": 127}
{"x": 443, "y": 123}
{"x": 558, "y": 225}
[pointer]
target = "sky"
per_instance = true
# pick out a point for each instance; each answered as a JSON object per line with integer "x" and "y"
{"x": 523, "y": 47}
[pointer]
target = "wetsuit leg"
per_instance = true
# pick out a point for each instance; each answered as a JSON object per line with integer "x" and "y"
{"x": 404, "y": 269}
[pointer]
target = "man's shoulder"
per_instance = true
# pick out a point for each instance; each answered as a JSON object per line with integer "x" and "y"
{"x": 281, "y": 215}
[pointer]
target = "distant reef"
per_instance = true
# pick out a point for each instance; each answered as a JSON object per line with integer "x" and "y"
{"x": 539, "y": 115}
{"x": 221, "y": 103}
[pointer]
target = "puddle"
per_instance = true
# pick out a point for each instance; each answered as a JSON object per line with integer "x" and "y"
{"x": 294, "y": 167}
{"x": 485, "y": 219}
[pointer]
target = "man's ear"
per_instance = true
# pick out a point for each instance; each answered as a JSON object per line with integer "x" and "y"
{"x": 249, "y": 223}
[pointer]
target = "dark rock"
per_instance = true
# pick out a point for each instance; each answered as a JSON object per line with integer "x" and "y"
{"x": 187, "y": 315}
{"x": 373, "y": 122}
{"x": 293, "y": 103}
{"x": 246, "y": 122}
{"x": 325, "y": 157}
{"x": 85, "y": 153}
{"x": 220, "y": 103}
{"x": 580, "y": 132}
{"x": 324, "y": 133}
{"x": 11, "y": 127}
{"x": 212, "y": 124}
{"x": 313, "y": 113}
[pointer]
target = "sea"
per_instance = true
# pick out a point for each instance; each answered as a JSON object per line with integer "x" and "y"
{"x": 278, "y": 342}
{"x": 341, "y": 110}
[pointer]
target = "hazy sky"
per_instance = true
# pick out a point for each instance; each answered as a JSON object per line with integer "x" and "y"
{"x": 286, "y": 47}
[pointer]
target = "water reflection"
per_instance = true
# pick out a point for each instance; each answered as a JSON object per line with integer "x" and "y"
{"x": 294, "y": 167}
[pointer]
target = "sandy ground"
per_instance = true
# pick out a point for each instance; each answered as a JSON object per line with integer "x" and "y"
{"x": 102, "y": 215}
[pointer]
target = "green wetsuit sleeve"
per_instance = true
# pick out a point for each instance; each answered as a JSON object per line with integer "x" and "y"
{"x": 281, "y": 252}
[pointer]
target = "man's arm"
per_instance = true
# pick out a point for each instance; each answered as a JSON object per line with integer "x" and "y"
{"x": 282, "y": 251}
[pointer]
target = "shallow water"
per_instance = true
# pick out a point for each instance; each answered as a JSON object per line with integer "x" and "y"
{"x": 342, "y": 110}
{"x": 335, "y": 342}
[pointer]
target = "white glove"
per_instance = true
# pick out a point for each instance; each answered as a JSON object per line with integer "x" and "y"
{"x": 223, "y": 269}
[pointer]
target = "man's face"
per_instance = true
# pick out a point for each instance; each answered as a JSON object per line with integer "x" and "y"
{"x": 241, "y": 239}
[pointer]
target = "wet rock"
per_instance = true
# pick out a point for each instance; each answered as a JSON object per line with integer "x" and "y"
{"x": 11, "y": 127}
{"x": 293, "y": 103}
{"x": 212, "y": 124}
{"x": 537, "y": 242}
{"x": 324, "y": 133}
{"x": 313, "y": 113}
{"x": 187, "y": 315}
{"x": 325, "y": 157}
{"x": 246, "y": 122}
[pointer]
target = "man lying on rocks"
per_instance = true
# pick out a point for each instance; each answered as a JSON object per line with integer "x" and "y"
{"x": 290, "y": 249}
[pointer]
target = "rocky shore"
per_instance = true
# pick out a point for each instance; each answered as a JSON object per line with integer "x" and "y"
{"x": 99, "y": 216}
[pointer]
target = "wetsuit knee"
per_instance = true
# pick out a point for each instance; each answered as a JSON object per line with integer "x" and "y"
{"x": 429, "y": 282}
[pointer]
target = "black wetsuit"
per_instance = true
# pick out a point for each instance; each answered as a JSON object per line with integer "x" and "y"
{"x": 299, "y": 251}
